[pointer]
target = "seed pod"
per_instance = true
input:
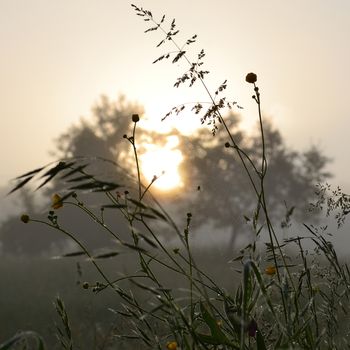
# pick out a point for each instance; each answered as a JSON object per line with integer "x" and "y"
{"x": 25, "y": 218}
{"x": 251, "y": 78}
{"x": 135, "y": 118}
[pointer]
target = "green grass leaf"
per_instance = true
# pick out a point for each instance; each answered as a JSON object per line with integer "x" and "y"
{"x": 260, "y": 342}
{"x": 106, "y": 255}
{"x": 28, "y": 334}
{"x": 217, "y": 336}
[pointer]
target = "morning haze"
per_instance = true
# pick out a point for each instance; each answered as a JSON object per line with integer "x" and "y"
{"x": 77, "y": 79}
{"x": 58, "y": 58}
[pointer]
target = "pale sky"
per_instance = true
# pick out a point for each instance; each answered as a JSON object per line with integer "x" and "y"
{"x": 58, "y": 57}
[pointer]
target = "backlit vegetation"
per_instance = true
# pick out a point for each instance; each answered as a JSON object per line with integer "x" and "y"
{"x": 291, "y": 291}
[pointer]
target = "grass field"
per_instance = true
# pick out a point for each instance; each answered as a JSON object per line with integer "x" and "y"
{"x": 29, "y": 288}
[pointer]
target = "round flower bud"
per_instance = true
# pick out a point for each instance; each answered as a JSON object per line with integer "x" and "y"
{"x": 86, "y": 285}
{"x": 135, "y": 118}
{"x": 251, "y": 78}
{"x": 227, "y": 145}
{"x": 25, "y": 218}
{"x": 172, "y": 345}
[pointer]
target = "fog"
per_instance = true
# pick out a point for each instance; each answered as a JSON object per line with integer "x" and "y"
{"x": 72, "y": 77}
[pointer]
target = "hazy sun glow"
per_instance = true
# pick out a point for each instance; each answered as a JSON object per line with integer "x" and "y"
{"x": 163, "y": 162}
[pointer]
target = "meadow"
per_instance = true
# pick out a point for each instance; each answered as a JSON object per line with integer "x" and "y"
{"x": 277, "y": 292}
{"x": 30, "y": 287}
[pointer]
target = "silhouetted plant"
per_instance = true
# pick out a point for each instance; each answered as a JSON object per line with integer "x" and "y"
{"x": 206, "y": 165}
{"x": 286, "y": 299}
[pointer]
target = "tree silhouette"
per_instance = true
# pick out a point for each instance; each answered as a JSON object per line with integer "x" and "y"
{"x": 99, "y": 137}
{"x": 215, "y": 188}
{"x": 218, "y": 191}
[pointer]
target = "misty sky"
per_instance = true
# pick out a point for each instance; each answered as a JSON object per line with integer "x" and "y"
{"x": 58, "y": 57}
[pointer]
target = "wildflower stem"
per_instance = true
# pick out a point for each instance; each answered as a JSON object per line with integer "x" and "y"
{"x": 133, "y": 143}
{"x": 82, "y": 246}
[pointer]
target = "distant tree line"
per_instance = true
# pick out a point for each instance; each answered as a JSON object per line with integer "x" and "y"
{"x": 215, "y": 187}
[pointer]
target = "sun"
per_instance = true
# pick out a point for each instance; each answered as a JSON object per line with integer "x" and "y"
{"x": 162, "y": 162}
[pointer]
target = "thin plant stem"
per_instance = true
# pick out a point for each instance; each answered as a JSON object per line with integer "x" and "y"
{"x": 136, "y": 160}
